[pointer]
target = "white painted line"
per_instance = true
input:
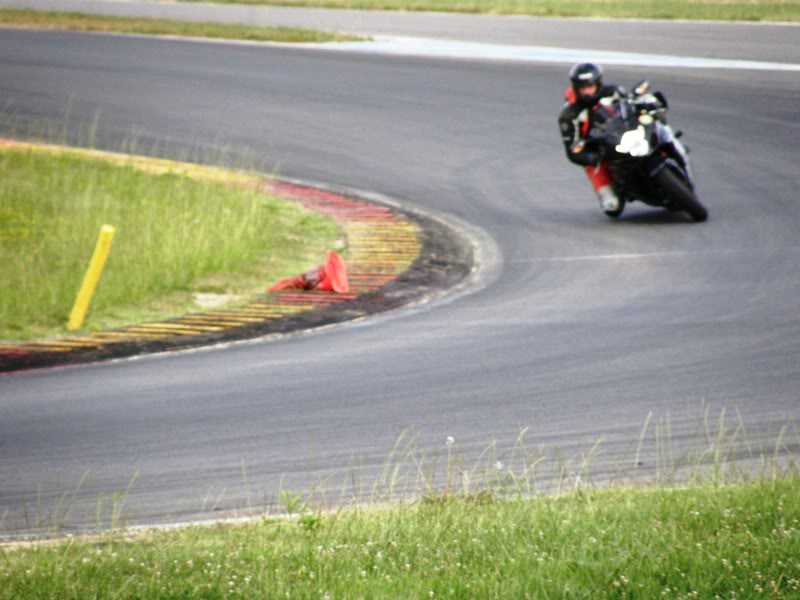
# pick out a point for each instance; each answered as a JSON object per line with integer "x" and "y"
{"x": 595, "y": 257}
{"x": 429, "y": 48}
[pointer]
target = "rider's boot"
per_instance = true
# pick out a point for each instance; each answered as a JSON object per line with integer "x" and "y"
{"x": 609, "y": 200}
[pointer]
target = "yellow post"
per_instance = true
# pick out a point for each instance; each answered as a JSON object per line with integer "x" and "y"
{"x": 91, "y": 278}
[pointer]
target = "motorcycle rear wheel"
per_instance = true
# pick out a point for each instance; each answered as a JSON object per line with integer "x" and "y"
{"x": 680, "y": 196}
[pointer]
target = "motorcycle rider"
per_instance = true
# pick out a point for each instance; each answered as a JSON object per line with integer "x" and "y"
{"x": 585, "y": 90}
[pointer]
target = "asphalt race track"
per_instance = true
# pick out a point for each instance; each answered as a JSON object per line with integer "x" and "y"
{"x": 575, "y": 328}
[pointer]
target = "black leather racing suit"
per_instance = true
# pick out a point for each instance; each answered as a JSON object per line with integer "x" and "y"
{"x": 575, "y": 119}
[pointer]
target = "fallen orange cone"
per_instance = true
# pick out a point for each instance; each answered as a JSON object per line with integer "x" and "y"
{"x": 329, "y": 277}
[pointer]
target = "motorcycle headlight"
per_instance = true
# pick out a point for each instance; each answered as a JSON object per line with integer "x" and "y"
{"x": 634, "y": 142}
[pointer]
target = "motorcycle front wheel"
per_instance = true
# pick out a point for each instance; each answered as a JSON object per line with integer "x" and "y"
{"x": 679, "y": 196}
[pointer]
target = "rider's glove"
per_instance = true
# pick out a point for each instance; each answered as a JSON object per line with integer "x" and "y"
{"x": 579, "y": 155}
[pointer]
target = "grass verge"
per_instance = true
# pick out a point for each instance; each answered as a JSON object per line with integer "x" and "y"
{"x": 729, "y": 10}
{"x": 177, "y": 236}
{"x": 706, "y": 541}
{"x": 86, "y": 22}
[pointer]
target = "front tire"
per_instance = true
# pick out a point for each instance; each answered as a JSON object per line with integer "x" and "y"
{"x": 679, "y": 196}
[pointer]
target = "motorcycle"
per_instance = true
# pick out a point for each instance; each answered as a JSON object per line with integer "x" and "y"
{"x": 648, "y": 162}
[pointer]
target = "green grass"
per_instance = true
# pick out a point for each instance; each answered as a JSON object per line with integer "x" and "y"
{"x": 176, "y": 236}
{"x": 741, "y": 10}
{"x": 702, "y": 541}
{"x": 86, "y": 22}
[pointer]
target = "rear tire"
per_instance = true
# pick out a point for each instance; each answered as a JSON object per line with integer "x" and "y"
{"x": 679, "y": 196}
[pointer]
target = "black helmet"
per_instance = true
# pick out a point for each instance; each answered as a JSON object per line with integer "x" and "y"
{"x": 585, "y": 73}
